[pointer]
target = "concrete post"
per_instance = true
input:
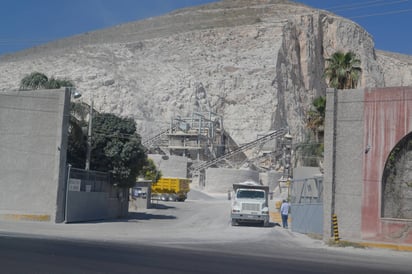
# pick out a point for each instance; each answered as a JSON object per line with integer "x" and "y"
{"x": 329, "y": 159}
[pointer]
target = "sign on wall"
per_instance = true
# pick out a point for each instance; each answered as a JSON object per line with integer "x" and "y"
{"x": 74, "y": 184}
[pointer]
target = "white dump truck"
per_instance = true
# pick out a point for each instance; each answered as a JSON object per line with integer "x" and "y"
{"x": 250, "y": 203}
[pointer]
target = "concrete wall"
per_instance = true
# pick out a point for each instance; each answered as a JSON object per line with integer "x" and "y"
{"x": 33, "y": 143}
{"x": 362, "y": 127}
{"x": 388, "y": 119}
{"x": 87, "y": 206}
{"x": 221, "y": 179}
{"x": 343, "y": 168}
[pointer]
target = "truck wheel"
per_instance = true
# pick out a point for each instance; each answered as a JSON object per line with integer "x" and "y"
{"x": 234, "y": 223}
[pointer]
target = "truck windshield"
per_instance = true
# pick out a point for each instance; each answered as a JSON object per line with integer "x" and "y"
{"x": 250, "y": 194}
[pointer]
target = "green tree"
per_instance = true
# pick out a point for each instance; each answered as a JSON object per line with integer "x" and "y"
{"x": 343, "y": 70}
{"x": 38, "y": 80}
{"x": 310, "y": 152}
{"x": 116, "y": 147}
{"x": 150, "y": 171}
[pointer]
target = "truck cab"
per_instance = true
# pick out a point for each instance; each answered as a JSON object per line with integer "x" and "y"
{"x": 250, "y": 203}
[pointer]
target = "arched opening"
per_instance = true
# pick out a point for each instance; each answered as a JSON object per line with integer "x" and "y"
{"x": 397, "y": 181}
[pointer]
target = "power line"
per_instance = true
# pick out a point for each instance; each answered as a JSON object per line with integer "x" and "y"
{"x": 117, "y": 135}
{"x": 353, "y": 5}
{"x": 369, "y": 4}
{"x": 17, "y": 149}
{"x": 380, "y": 14}
{"x": 365, "y": 5}
{"x": 29, "y": 109}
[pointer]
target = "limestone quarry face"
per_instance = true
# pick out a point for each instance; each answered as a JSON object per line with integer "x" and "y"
{"x": 258, "y": 63}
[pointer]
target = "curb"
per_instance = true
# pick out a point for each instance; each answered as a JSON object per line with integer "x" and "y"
{"x": 25, "y": 217}
{"x": 387, "y": 246}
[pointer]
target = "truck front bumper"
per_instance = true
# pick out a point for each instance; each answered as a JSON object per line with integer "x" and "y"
{"x": 242, "y": 217}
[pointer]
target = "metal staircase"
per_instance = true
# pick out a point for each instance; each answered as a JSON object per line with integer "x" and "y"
{"x": 195, "y": 169}
{"x": 155, "y": 139}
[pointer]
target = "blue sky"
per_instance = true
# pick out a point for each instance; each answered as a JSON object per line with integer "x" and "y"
{"x": 26, "y": 23}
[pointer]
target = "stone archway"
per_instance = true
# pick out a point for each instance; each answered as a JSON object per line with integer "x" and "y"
{"x": 397, "y": 181}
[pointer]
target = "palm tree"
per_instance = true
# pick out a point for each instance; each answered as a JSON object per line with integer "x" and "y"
{"x": 34, "y": 80}
{"x": 316, "y": 116}
{"x": 343, "y": 70}
{"x": 38, "y": 80}
{"x": 310, "y": 152}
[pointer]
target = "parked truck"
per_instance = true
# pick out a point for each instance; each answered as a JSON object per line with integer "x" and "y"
{"x": 250, "y": 203}
{"x": 171, "y": 189}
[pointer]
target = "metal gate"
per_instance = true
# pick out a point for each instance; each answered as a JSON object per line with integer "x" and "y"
{"x": 90, "y": 196}
{"x": 307, "y": 205}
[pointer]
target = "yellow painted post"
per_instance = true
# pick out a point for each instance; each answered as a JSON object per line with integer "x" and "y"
{"x": 335, "y": 228}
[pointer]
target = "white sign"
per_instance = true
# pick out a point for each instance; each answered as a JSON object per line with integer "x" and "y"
{"x": 74, "y": 184}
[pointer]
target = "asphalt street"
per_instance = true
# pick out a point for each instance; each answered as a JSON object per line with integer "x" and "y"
{"x": 190, "y": 237}
{"x": 36, "y": 255}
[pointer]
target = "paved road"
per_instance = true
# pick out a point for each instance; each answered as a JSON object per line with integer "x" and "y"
{"x": 190, "y": 237}
{"x": 27, "y": 255}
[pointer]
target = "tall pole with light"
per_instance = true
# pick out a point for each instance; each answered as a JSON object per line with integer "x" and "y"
{"x": 75, "y": 94}
{"x": 288, "y": 160}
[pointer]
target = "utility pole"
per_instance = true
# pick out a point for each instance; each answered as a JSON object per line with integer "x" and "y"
{"x": 89, "y": 137}
{"x": 287, "y": 150}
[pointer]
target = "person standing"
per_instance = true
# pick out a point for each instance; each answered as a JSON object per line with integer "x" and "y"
{"x": 284, "y": 211}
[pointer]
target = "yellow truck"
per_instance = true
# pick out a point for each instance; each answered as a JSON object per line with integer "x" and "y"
{"x": 171, "y": 189}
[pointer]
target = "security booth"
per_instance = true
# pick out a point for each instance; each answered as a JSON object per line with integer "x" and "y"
{"x": 139, "y": 196}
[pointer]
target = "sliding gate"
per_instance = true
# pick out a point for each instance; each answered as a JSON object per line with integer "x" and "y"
{"x": 307, "y": 205}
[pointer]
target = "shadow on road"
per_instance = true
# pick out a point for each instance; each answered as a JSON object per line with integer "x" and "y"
{"x": 131, "y": 217}
{"x": 252, "y": 224}
{"x": 148, "y": 216}
{"x": 161, "y": 206}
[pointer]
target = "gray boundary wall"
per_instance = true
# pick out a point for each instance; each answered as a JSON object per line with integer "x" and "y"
{"x": 221, "y": 180}
{"x": 87, "y": 206}
{"x": 33, "y": 144}
{"x": 94, "y": 197}
{"x": 344, "y": 152}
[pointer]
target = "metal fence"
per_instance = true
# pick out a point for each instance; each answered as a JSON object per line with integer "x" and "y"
{"x": 90, "y": 180}
{"x": 90, "y": 196}
{"x": 306, "y": 197}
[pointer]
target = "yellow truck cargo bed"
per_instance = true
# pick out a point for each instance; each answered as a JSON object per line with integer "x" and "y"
{"x": 178, "y": 186}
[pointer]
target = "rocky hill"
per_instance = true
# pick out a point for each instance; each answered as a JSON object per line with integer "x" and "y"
{"x": 259, "y": 63}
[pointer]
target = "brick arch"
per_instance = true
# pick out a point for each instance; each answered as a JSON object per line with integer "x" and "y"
{"x": 396, "y": 195}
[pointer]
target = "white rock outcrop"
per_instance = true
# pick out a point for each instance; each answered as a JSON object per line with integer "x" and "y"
{"x": 259, "y": 63}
